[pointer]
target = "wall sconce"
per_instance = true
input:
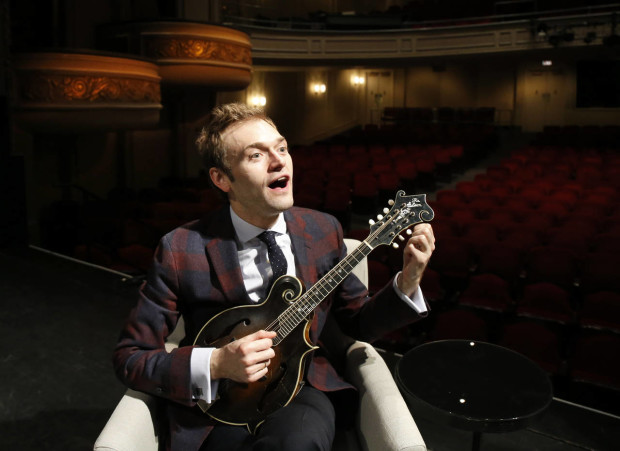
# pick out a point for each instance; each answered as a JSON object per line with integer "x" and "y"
{"x": 319, "y": 88}
{"x": 357, "y": 80}
{"x": 258, "y": 100}
{"x": 547, "y": 63}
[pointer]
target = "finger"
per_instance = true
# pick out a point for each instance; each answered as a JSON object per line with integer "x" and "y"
{"x": 263, "y": 356}
{"x": 421, "y": 243}
{"x": 251, "y": 349}
{"x": 258, "y": 335}
{"x": 424, "y": 230}
{"x": 258, "y": 374}
{"x": 262, "y": 366}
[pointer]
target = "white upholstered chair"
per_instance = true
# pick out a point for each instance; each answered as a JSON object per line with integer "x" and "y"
{"x": 383, "y": 421}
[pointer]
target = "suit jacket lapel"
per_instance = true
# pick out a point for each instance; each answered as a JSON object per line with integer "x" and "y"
{"x": 221, "y": 250}
{"x": 302, "y": 248}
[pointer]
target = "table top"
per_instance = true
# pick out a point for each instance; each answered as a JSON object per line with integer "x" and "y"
{"x": 473, "y": 385}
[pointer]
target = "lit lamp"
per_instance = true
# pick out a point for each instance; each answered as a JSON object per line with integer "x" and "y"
{"x": 259, "y": 101}
{"x": 357, "y": 80}
{"x": 319, "y": 88}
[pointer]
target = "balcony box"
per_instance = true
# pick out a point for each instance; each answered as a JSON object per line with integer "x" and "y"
{"x": 68, "y": 92}
{"x": 187, "y": 53}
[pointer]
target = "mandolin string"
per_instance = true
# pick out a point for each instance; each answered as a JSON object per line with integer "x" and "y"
{"x": 293, "y": 315}
{"x": 297, "y": 312}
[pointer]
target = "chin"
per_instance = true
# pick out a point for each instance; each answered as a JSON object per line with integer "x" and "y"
{"x": 282, "y": 204}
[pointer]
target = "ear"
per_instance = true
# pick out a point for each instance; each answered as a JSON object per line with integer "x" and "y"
{"x": 219, "y": 179}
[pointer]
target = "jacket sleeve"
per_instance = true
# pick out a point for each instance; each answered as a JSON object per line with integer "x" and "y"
{"x": 368, "y": 318}
{"x": 140, "y": 359}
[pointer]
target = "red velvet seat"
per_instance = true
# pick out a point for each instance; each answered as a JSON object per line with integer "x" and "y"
{"x": 535, "y": 341}
{"x": 504, "y": 261}
{"x": 546, "y": 301}
{"x": 488, "y": 292}
{"x": 601, "y": 310}
{"x": 599, "y": 272}
{"x": 595, "y": 360}
{"x": 453, "y": 261}
{"x": 554, "y": 265}
{"x": 459, "y": 324}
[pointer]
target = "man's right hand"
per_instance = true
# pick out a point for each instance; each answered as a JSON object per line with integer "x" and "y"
{"x": 244, "y": 360}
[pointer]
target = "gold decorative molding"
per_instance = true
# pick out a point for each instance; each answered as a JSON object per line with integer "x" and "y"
{"x": 76, "y": 91}
{"x": 199, "y": 49}
{"x": 187, "y": 53}
{"x": 87, "y": 89}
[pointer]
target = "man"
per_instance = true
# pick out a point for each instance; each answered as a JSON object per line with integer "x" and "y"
{"x": 210, "y": 265}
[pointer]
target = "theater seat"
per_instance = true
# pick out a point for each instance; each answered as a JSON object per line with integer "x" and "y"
{"x": 601, "y": 310}
{"x": 383, "y": 419}
{"x": 488, "y": 292}
{"x": 459, "y": 324}
{"x": 546, "y": 301}
{"x": 535, "y": 341}
{"x": 595, "y": 360}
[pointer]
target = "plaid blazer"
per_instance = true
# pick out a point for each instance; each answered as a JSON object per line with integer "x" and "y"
{"x": 196, "y": 273}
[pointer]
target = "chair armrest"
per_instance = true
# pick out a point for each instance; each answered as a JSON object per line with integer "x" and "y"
{"x": 131, "y": 425}
{"x": 383, "y": 419}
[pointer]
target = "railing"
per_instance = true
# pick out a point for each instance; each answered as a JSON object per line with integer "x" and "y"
{"x": 344, "y": 23}
{"x": 276, "y": 45}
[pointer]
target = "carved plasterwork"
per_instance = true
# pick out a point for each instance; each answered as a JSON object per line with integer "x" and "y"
{"x": 197, "y": 49}
{"x": 89, "y": 89}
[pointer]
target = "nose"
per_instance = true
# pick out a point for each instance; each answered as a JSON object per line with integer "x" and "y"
{"x": 278, "y": 159}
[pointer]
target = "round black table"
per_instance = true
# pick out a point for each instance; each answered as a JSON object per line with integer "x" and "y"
{"x": 474, "y": 386}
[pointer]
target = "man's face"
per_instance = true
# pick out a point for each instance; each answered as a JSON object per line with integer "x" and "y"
{"x": 262, "y": 172}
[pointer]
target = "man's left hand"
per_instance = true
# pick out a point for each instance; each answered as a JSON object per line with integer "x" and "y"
{"x": 416, "y": 255}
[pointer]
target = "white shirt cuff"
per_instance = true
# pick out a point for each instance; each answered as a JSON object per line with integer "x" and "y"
{"x": 417, "y": 302}
{"x": 200, "y": 370}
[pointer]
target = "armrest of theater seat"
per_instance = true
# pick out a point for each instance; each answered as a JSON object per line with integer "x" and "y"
{"x": 131, "y": 426}
{"x": 383, "y": 419}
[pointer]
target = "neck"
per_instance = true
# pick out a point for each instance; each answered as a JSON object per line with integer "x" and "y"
{"x": 261, "y": 221}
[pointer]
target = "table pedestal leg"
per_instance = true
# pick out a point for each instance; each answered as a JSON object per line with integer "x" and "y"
{"x": 475, "y": 443}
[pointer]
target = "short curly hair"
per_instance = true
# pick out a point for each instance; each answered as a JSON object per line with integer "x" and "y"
{"x": 209, "y": 141}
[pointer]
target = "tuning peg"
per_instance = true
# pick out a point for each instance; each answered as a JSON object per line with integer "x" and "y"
{"x": 386, "y": 211}
{"x": 395, "y": 245}
{"x": 391, "y": 202}
{"x": 409, "y": 232}
{"x": 379, "y": 217}
{"x": 400, "y": 237}
{"x": 371, "y": 222}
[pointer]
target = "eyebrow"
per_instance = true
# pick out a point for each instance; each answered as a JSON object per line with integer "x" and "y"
{"x": 261, "y": 145}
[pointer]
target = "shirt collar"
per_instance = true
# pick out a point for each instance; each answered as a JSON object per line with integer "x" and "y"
{"x": 246, "y": 231}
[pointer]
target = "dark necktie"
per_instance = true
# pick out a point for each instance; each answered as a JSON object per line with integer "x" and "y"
{"x": 275, "y": 254}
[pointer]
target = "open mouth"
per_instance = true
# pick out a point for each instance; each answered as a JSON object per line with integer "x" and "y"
{"x": 282, "y": 182}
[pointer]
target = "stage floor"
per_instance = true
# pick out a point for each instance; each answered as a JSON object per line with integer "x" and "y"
{"x": 60, "y": 320}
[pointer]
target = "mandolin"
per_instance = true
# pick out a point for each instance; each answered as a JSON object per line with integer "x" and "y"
{"x": 288, "y": 310}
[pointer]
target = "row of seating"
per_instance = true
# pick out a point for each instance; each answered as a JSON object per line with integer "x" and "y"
{"x": 583, "y": 363}
{"x": 586, "y": 136}
{"x": 409, "y": 116}
{"x": 527, "y": 258}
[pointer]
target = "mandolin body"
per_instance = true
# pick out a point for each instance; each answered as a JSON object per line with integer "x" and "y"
{"x": 249, "y": 403}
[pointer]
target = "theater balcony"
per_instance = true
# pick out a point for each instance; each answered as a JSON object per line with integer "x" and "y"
{"x": 70, "y": 91}
{"x": 187, "y": 53}
{"x": 277, "y": 42}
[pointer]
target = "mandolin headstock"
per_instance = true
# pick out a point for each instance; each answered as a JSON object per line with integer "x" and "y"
{"x": 405, "y": 211}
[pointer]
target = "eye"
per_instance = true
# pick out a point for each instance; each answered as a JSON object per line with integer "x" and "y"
{"x": 283, "y": 149}
{"x": 255, "y": 155}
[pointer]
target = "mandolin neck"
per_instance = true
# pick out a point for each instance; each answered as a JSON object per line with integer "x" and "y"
{"x": 300, "y": 309}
